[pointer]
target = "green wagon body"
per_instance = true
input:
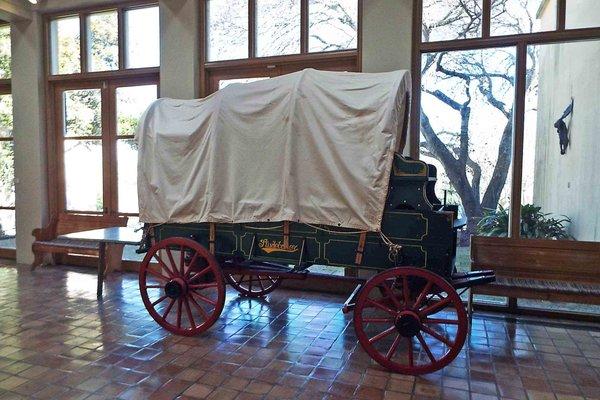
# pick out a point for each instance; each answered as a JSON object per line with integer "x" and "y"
{"x": 413, "y": 218}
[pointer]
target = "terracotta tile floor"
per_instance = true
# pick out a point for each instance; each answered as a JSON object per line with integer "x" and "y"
{"x": 58, "y": 342}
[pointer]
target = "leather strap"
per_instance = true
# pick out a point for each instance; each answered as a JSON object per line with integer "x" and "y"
{"x": 361, "y": 248}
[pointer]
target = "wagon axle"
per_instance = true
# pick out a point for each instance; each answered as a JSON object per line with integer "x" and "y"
{"x": 408, "y": 323}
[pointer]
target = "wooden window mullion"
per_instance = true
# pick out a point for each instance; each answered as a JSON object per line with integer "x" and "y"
{"x": 121, "y": 37}
{"x": 304, "y": 26}
{"x": 83, "y": 42}
{"x": 518, "y": 139}
{"x": 561, "y": 15}
{"x": 486, "y": 18}
{"x": 251, "y": 28}
{"x": 107, "y": 150}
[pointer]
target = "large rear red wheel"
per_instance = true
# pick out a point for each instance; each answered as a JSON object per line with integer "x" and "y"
{"x": 182, "y": 286}
{"x": 410, "y": 320}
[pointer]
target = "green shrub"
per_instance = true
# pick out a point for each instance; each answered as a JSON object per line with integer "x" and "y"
{"x": 534, "y": 224}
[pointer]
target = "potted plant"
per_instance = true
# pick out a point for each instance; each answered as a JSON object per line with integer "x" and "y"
{"x": 534, "y": 224}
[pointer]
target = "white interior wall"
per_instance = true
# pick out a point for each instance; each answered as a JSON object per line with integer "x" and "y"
{"x": 387, "y": 28}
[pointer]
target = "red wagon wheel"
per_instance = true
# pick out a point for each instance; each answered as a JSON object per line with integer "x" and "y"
{"x": 184, "y": 292}
{"x": 410, "y": 320}
{"x": 253, "y": 285}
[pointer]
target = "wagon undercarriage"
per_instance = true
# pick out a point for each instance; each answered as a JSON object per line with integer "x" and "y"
{"x": 409, "y": 320}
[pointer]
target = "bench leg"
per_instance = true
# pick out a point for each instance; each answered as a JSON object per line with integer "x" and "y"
{"x": 38, "y": 260}
{"x": 101, "y": 268}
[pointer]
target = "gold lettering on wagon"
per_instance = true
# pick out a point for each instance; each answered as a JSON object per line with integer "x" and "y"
{"x": 272, "y": 246}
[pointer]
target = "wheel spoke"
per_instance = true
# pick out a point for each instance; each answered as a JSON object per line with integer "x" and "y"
{"x": 393, "y": 347}
{"x": 435, "y": 307}
{"x": 189, "y": 313}
{"x": 199, "y": 274}
{"x": 425, "y": 347}
{"x": 411, "y": 351}
{"x": 436, "y": 335}
{"x": 405, "y": 290}
{"x": 182, "y": 260}
{"x": 381, "y": 307}
{"x": 199, "y": 307}
{"x": 390, "y": 294}
{"x": 378, "y": 320}
{"x": 157, "y": 275}
{"x": 172, "y": 260}
{"x": 154, "y": 286}
{"x": 191, "y": 264}
{"x": 168, "y": 310}
{"x": 383, "y": 334}
{"x": 203, "y": 298}
{"x": 251, "y": 279}
{"x": 203, "y": 286}
{"x": 160, "y": 300}
{"x": 262, "y": 288}
{"x": 441, "y": 321}
{"x": 179, "y": 313}
{"x": 164, "y": 266}
{"x": 423, "y": 294}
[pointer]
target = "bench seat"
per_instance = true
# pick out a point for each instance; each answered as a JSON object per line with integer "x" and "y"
{"x": 553, "y": 270}
{"x": 47, "y": 241}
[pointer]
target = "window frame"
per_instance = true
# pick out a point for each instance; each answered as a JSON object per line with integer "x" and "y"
{"x": 5, "y": 88}
{"x": 211, "y": 72}
{"x": 83, "y": 14}
{"x": 520, "y": 42}
{"x": 108, "y": 82}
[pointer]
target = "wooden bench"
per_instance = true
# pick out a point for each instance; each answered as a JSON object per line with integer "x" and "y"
{"x": 47, "y": 245}
{"x": 555, "y": 270}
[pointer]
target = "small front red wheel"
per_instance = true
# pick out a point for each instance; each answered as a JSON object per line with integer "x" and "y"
{"x": 410, "y": 321}
{"x": 182, "y": 286}
{"x": 253, "y": 285}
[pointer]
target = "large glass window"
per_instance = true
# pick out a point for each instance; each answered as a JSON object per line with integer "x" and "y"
{"x": 333, "y": 25}
{"x": 582, "y": 14}
{"x": 142, "y": 37}
{"x": 117, "y": 39}
{"x": 5, "y": 53}
{"x": 277, "y": 27}
{"x": 131, "y": 102}
{"x": 7, "y": 155}
{"x": 83, "y": 146}
{"x": 103, "y": 41}
{"x": 523, "y": 100}
{"x": 451, "y": 19}
{"x": 227, "y": 29}
{"x": 561, "y": 194}
{"x": 467, "y": 131}
{"x": 65, "y": 51}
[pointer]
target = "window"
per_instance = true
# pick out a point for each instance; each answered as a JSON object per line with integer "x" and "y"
{"x": 249, "y": 39}
{"x": 101, "y": 82}
{"x": 277, "y": 27}
{"x": 332, "y": 25}
{"x": 142, "y": 37}
{"x": 227, "y": 30}
{"x": 91, "y": 132}
{"x": 65, "y": 45}
{"x": 103, "y": 41}
{"x": 495, "y": 77}
{"x": 117, "y": 39}
{"x": 7, "y": 172}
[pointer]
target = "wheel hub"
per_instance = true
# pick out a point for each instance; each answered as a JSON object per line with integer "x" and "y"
{"x": 175, "y": 288}
{"x": 408, "y": 324}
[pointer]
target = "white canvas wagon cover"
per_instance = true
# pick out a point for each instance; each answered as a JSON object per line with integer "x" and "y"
{"x": 311, "y": 146}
